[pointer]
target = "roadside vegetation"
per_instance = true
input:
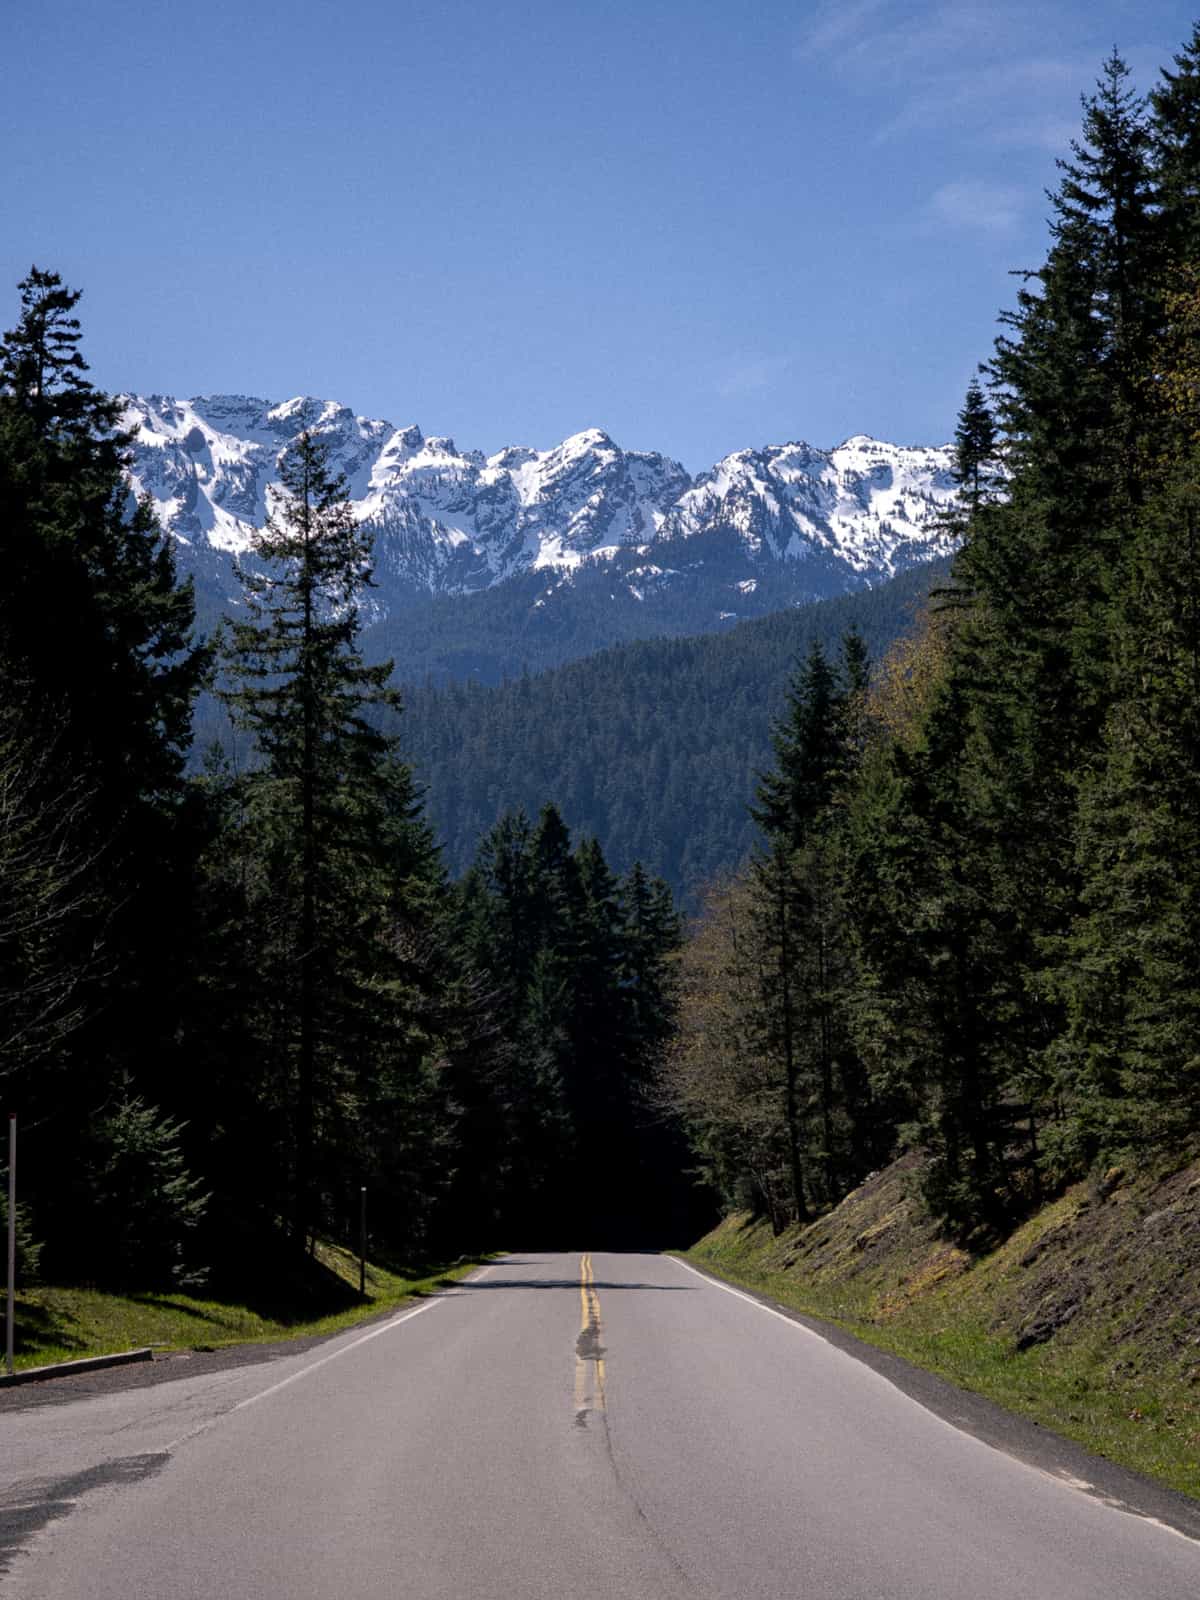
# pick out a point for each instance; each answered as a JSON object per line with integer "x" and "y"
{"x": 938, "y": 1046}
{"x": 1086, "y": 1319}
{"x": 319, "y": 1297}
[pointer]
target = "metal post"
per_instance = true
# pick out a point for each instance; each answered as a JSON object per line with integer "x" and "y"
{"x": 11, "y": 1317}
{"x": 362, "y": 1241}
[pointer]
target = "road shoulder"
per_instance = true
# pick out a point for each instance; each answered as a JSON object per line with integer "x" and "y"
{"x": 1036, "y": 1446}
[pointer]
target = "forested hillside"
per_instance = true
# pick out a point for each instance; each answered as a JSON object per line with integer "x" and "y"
{"x": 530, "y": 624}
{"x": 652, "y": 748}
{"x": 972, "y": 929}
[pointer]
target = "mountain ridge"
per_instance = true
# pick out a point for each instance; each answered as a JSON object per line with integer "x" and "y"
{"x": 452, "y": 523}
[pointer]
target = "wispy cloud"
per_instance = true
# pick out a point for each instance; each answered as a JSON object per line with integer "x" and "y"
{"x": 837, "y": 26}
{"x": 1006, "y": 102}
{"x": 960, "y": 64}
{"x": 989, "y": 207}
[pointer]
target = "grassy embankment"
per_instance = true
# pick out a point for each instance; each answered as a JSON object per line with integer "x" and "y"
{"x": 1087, "y": 1319}
{"x": 320, "y": 1297}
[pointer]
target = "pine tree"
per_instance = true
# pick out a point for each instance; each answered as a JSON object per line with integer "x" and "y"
{"x": 580, "y": 959}
{"x": 1027, "y": 685}
{"x": 807, "y": 742}
{"x": 1068, "y": 381}
{"x": 1014, "y": 857}
{"x": 340, "y": 855}
{"x": 44, "y": 367}
{"x": 1175, "y": 131}
{"x": 118, "y": 674}
{"x": 510, "y": 922}
{"x": 976, "y": 454}
{"x": 1126, "y": 1066}
{"x": 800, "y": 928}
{"x": 650, "y": 935}
{"x": 498, "y": 923}
{"x": 1067, "y": 377}
{"x": 140, "y": 1206}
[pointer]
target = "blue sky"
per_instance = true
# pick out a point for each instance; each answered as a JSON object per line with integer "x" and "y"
{"x": 699, "y": 225}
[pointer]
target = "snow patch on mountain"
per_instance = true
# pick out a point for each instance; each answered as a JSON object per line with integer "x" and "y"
{"x": 871, "y": 506}
{"x": 453, "y": 521}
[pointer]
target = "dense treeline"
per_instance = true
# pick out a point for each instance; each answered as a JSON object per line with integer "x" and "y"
{"x": 650, "y": 747}
{"x": 974, "y": 922}
{"x": 230, "y": 999}
{"x": 571, "y": 1134}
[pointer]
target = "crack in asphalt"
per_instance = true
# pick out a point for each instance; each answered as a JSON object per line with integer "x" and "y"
{"x": 588, "y": 1348}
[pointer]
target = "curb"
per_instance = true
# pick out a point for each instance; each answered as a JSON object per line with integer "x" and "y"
{"x": 63, "y": 1369}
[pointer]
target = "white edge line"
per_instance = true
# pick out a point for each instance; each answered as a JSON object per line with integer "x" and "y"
{"x": 375, "y": 1333}
{"x": 715, "y": 1283}
{"x": 1063, "y": 1479}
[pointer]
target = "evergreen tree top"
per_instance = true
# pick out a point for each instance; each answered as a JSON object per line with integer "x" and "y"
{"x": 1175, "y": 104}
{"x": 42, "y": 367}
{"x": 1110, "y": 168}
{"x": 809, "y": 742}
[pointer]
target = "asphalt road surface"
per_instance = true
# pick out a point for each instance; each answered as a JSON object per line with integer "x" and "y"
{"x": 558, "y": 1427}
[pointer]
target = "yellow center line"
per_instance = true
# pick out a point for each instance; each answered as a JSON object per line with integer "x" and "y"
{"x": 589, "y": 1388}
{"x": 581, "y": 1403}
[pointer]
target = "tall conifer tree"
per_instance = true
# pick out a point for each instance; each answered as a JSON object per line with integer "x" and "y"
{"x": 97, "y": 652}
{"x": 332, "y": 814}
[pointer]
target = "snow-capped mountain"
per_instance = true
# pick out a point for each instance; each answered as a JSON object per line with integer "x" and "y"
{"x": 445, "y": 520}
{"x": 870, "y": 506}
{"x": 454, "y": 522}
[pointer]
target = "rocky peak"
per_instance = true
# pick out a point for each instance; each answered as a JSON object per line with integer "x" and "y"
{"x": 448, "y": 521}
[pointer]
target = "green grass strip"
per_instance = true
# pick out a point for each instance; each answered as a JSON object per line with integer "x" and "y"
{"x": 65, "y": 1324}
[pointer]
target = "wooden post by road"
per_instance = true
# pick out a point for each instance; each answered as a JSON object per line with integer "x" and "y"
{"x": 362, "y": 1241}
{"x": 11, "y": 1308}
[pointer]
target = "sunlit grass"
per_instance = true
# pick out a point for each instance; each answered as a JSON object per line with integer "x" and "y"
{"x": 67, "y": 1324}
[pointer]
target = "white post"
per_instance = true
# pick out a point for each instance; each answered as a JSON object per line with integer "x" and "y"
{"x": 10, "y": 1319}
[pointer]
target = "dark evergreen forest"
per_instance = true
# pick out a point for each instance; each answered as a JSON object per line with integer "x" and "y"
{"x": 653, "y": 748}
{"x": 231, "y": 996}
{"x": 971, "y": 927}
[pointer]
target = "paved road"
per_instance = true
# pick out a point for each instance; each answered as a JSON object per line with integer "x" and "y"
{"x": 566, "y": 1427}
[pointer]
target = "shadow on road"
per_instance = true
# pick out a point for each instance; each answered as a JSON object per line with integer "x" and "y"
{"x": 569, "y": 1283}
{"x": 26, "y": 1508}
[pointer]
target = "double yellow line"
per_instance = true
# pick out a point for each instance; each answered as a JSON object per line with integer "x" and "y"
{"x": 589, "y": 1350}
